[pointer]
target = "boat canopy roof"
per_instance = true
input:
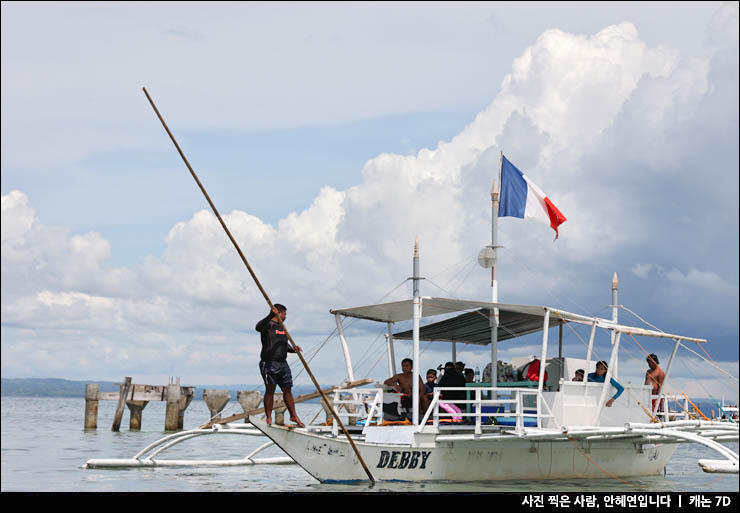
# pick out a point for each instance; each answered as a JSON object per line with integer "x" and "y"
{"x": 473, "y": 326}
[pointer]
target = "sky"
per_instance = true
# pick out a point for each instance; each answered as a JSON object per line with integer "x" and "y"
{"x": 330, "y": 136}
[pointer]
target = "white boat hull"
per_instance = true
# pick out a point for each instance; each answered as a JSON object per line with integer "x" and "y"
{"x": 333, "y": 459}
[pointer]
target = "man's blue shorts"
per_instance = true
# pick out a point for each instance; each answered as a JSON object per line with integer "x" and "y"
{"x": 276, "y": 373}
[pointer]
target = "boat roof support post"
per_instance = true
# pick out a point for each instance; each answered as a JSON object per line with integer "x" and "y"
{"x": 560, "y": 339}
{"x": 590, "y": 346}
{"x": 391, "y": 352}
{"x": 615, "y": 318}
{"x": 607, "y": 380}
{"x": 543, "y": 358}
{"x": 676, "y": 343}
{"x": 345, "y": 348}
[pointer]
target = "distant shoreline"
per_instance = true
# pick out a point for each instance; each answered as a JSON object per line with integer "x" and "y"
{"x": 57, "y": 387}
{"x": 65, "y": 388}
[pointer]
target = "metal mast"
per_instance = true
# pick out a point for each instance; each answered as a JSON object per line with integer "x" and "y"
{"x": 417, "y": 318}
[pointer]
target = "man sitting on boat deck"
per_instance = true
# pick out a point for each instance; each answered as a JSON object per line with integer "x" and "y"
{"x": 403, "y": 384}
{"x": 273, "y": 365}
{"x": 599, "y": 377}
{"x": 654, "y": 377}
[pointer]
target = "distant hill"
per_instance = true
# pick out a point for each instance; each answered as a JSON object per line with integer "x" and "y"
{"x": 55, "y": 387}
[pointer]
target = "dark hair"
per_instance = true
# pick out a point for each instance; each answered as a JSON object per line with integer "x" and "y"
{"x": 469, "y": 371}
{"x": 449, "y": 364}
{"x": 280, "y": 307}
{"x": 603, "y": 363}
{"x": 408, "y": 360}
{"x": 653, "y": 357}
{"x": 432, "y": 371}
{"x": 580, "y": 371}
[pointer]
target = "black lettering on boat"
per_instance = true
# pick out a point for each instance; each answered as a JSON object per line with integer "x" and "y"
{"x": 394, "y": 459}
{"x": 414, "y": 459}
{"x": 384, "y": 457}
{"x": 403, "y": 459}
{"x": 424, "y": 456}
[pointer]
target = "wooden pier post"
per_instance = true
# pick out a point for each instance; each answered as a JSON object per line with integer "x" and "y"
{"x": 91, "y": 406}
{"x": 172, "y": 411}
{"x": 125, "y": 387}
{"x": 135, "y": 407}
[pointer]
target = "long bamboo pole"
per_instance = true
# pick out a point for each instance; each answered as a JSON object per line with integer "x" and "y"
{"x": 262, "y": 290}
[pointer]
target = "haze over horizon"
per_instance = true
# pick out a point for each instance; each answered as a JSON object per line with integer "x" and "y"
{"x": 330, "y": 136}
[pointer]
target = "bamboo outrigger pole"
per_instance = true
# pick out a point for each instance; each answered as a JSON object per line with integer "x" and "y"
{"x": 262, "y": 290}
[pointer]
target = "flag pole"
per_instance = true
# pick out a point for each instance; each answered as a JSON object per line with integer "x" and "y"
{"x": 494, "y": 320}
{"x": 262, "y": 290}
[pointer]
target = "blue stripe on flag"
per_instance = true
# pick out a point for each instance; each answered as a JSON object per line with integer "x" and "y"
{"x": 513, "y": 199}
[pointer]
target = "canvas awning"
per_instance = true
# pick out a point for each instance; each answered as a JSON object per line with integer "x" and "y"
{"x": 473, "y": 327}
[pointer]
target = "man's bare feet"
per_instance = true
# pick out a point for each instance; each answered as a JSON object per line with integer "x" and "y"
{"x": 298, "y": 422}
{"x": 268, "y": 420}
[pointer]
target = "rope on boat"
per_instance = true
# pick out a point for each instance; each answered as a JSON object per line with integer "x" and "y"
{"x": 713, "y": 363}
{"x": 697, "y": 409}
{"x": 557, "y": 299}
{"x": 588, "y": 458}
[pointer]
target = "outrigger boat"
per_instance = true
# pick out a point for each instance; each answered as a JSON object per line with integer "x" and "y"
{"x": 540, "y": 429}
{"x": 533, "y": 430}
{"x": 557, "y": 432}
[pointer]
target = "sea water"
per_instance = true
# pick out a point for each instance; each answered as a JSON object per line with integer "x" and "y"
{"x": 44, "y": 447}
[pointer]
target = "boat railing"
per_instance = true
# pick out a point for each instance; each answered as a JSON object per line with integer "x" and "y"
{"x": 513, "y": 407}
{"x": 356, "y": 404}
{"x": 663, "y": 403}
{"x": 523, "y": 404}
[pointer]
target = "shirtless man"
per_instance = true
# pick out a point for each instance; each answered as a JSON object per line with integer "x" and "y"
{"x": 403, "y": 383}
{"x": 654, "y": 376}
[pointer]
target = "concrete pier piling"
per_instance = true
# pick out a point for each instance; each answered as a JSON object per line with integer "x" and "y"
{"x": 278, "y": 407}
{"x": 91, "y": 406}
{"x": 185, "y": 399}
{"x": 172, "y": 410}
{"x": 135, "y": 407}
{"x": 249, "y": 400}
{"x": 216, "y": 401}
{"x": 136, "y": 397}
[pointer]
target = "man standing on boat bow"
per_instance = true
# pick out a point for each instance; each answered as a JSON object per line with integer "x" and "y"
{"x": 273, "y": 362}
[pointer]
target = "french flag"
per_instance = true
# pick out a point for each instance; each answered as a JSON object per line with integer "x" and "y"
{"x": 521, "y": 198}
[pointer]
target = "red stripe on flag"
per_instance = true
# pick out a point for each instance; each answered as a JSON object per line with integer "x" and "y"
{"x": 556, "y": 217}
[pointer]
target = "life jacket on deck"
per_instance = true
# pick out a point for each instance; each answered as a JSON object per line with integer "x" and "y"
{"x": 533, "y": 371}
